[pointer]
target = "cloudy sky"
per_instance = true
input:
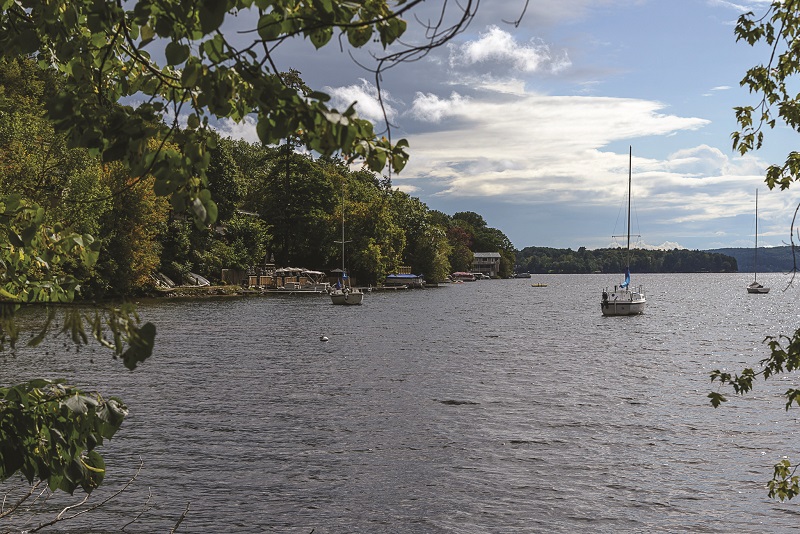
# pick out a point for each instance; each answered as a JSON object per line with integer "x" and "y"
{"x": 530, "y": 126}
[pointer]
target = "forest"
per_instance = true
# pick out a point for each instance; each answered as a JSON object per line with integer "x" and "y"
{"x": 540, "y": 260}
{"x": 274, "y": 204}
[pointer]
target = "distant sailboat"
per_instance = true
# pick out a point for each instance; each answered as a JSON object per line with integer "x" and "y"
{"x": 624, "y": 300}
{"x": 344, "y": 294}
{"x": 755, "y": 287}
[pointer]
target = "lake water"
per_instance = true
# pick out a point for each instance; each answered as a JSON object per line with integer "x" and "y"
{"x": 486, "y": 407}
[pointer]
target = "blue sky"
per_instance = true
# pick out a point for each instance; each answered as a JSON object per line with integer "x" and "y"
{"x": 530, "y": 126}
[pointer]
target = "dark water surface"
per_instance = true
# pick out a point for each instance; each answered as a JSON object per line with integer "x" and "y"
{"x": 486, "y": 407}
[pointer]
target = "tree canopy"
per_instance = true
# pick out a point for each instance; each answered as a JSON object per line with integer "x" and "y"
{"x": 104, "y": 54}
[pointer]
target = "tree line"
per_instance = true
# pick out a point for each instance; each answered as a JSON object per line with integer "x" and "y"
{"x": 272, "y": 203}
{"x": 541, "y": 260}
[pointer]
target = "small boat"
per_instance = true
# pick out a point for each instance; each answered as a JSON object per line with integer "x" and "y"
{"x": 342, "y": 293}
{"x": 538, "y": 285}
{"x": 755, "y": 287}
{"x": 197, "y": 280}
{"x": 625, "y": 300}
{"x": 522, "y": 275}
{"x": 347, "y": 296}
{"x": 408, "y": 280}
{"x": 462, "y": 276}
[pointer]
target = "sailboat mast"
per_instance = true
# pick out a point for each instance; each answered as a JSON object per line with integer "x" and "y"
{"x": 343, "y": 271}
{"x": 755, "y": 252}
{"x": 630, "y": 165}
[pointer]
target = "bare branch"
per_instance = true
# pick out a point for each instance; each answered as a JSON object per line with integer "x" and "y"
{"x": 181, "y": 518}
{"x": 16, "y": 505}
{"x": 146, "y": 508}
{"x": 517, "y": 22}
{"x": 794, "y": 248}
{"x": 91, "y": 508}
{"x": 60, "y": 516}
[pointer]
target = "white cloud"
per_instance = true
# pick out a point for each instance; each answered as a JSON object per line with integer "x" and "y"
{"x": 535, "y": 145}
{"x": 408, "y": 189}
{"x": 741, "y": 8}
{"x": 239, "y": 130}
{"x": 431, "y": 108}
{"x": 366, "y": 95}
{"x": 552, "y": 152}
{"x": 500, "y": 47}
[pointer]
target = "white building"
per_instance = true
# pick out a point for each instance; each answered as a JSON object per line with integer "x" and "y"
{"x": 487, "y": 263}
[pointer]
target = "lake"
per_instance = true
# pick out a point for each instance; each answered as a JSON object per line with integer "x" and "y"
{"x": 491, "y": 406}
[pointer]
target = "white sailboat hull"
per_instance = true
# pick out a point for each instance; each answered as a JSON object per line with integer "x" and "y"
{"x": 757, "y": 288}
{"x": 349, "y": 297}
{"x": 623, "y": 302}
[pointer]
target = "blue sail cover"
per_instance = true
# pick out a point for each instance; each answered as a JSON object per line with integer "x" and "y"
{"x": 627, "y": 281}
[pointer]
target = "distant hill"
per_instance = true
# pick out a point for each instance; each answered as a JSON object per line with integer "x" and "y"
{"x": 770, "y": 260}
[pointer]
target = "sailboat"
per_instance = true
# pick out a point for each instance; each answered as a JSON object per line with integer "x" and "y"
{"x": 343, "y": 293}
{"x": 755, "y": 287}
{"x": 625, "y": 300}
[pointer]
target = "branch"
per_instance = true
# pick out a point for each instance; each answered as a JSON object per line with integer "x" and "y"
{"x": 517, "y": 22}
{"x": 181, "y": 518}
{"x": 92, "y": 508}
{"x": 16, "y": 505}
{"x": 794, "y": 248}
{"x": 59, "y": 517}
{"x": 146, "y": 508}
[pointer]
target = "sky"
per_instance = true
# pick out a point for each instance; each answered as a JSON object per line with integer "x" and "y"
{"x": 531, "y": 125}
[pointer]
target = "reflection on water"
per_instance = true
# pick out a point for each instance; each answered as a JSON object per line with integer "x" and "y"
{"x": 491, "y": 406}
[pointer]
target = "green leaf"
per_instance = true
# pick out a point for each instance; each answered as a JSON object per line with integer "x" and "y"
{"x": 269, "y": 26}
{"x": 191, "y": 72}
{"x": 193, "y": 122}
{"x": 148, "y": 33}
{"x": 359, "y": 36}
{"x": 321, "y": 36}
{"x": 176, "y": 53}
{"x": 212, "y": 13}
{"x": 141, "y": 346}
{"x": 6, "y": 295}
{"x": 15, "y": 239}
{"x": 28, "y": 234}
{"x": 716, "y": 399}
{"x": 28, "y": 41}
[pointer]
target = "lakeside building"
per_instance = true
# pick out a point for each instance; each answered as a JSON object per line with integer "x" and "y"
{"x": 486, "y": 263}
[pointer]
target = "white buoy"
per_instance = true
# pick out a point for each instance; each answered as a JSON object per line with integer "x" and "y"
{"x": 323, "y": 338}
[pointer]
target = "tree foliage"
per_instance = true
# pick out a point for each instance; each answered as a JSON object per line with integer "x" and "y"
{"x": 102, "y": 53}
{"x": 775, "y": 84}
{"x": 49, "y": 431}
